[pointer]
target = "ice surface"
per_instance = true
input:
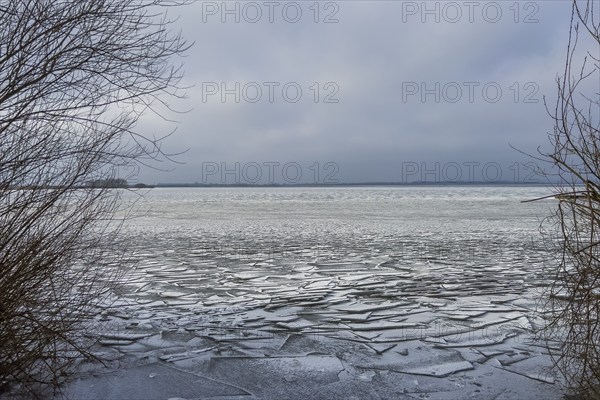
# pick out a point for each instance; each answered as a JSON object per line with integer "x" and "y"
{"x": 151, "y": 382}
{"x": 297, "y": 288}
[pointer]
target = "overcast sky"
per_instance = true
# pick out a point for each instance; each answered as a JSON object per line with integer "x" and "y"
{"x": 390, "y": 90}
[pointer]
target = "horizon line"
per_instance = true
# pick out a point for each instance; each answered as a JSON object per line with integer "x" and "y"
{"x": 367, "y": 183}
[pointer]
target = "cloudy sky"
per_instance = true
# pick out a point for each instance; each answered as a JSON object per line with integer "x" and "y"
{"x": 363, "y": 90}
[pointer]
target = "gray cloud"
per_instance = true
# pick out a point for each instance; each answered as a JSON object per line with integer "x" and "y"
{"x": 371, "y": 55}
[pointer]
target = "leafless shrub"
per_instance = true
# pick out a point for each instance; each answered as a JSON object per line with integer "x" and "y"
{"x": 75, "y": 76}
{"x": 573, "y": 301}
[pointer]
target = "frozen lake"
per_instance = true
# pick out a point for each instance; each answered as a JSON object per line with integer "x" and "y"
{"x": 243, "y": 246}
{"x": 415, "y": 290}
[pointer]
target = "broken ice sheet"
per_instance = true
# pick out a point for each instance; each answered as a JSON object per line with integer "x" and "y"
{"x": 476, "y": 338}
{"x": 354, "y": 317}
{"x": 298, "y": 324}
{"x": 359, "y": 308}
{"x": 440, "y": 370}
{"x": 380, "y": 348}
{"x": 538, "y": 376}
{"x": 464, "y": 314}
{"x": 382, "y": 325}
{"x": 185, "y": 355}
{"x": 124, "y": 336}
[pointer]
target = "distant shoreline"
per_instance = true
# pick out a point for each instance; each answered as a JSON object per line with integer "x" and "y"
{"x": 296, "y": 185}
{"x": 345, "y": 184}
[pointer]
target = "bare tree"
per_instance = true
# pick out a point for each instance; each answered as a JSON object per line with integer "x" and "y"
{"x": 574, "y": 297}
{"x": 75, "y": 77}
